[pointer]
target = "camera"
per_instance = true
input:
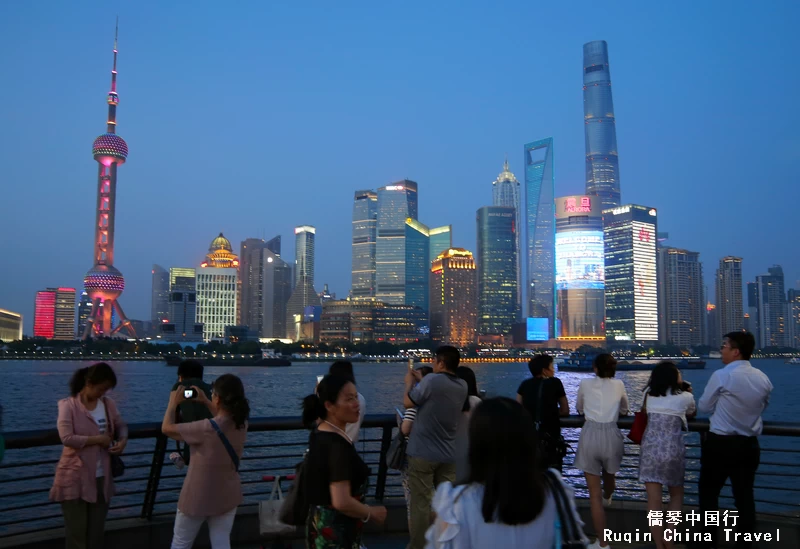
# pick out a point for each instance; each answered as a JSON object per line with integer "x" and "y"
{"x": 189, "y": 393}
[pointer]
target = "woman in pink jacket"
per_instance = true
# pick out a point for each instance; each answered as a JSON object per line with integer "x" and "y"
{"x": 91, "y": 430}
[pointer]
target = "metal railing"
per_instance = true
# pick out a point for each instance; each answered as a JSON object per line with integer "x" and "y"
{"x": 151, "y": 484}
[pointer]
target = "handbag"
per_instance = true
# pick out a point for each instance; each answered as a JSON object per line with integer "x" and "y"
{"x": 396, "y": 454}
{"x": 548, "y": 445}
{"x": 226, "y": 443}
{"x": 639, "y": 424}
{"x": 269, "y": 520}
{"x": 294, "y": 510}
{"x": 117, "y": 465}
{"x": 569, "y": 533}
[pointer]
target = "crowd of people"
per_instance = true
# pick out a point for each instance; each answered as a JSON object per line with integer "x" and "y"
{"x": 477, "y": 472}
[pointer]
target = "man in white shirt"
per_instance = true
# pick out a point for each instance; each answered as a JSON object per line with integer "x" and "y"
{"x": 735, "y": 396}
{"x": 344, "y": 368}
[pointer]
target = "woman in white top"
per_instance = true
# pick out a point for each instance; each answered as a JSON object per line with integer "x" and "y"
{"x": 505, "y": 502}
{"x": 602, "y": 400}
{"x": 668, "y": 403}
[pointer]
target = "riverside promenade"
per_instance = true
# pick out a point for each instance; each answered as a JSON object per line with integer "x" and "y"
{"x": 142, "y": 512}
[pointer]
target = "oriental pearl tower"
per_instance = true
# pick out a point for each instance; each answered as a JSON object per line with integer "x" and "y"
{"x": 104, "y": 283}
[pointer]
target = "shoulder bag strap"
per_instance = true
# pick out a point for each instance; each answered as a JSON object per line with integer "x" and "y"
{"x": 226, "y": 443}
{"x": 570, "y": 533}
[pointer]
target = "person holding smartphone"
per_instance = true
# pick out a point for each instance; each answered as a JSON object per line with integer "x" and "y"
{"x": 88, "y": 425}
{"x": 212, "y": 490}
{"x": 190, "y": 374}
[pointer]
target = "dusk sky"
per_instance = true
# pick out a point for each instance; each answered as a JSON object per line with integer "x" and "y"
{"x": 253, "y": 117}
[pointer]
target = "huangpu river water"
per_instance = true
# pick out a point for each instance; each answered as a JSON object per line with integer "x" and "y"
{"x": 31, "y": 389}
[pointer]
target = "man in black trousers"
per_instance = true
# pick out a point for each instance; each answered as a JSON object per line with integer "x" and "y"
{"x": 735, "y": 398}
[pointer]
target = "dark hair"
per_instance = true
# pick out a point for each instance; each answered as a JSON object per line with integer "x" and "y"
{"x": 462, "y": 372}
{"x": 663, "y": 378}
{"x": 230, "y": 390}
{"x": 539, "y": 363}
{"x": 425, "y": 370}
{"x": 502, "y": 454}
{"x": 93, "y": 375}
{"x": 343, "y": 368}
{"x": 606, "y": 365}
{"x": 190, "y": 369}
{"x": 327, "y": 391}
{"x": 450, "y": 356}
{"x": 744, "y": 341}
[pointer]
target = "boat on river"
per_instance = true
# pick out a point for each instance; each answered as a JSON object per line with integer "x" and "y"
{"x": 580, "y": 362}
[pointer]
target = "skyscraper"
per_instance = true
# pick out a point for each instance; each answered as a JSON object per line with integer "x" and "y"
{"x": 159, "y": 296}
{"x": 104, "y": 283}
{"x": 396, "y": 203}
{"x": 793, "y": 319}
{"x": 217, "y": 282}
{"x": 751, "y": 316}
{"x": 454, "y": 300}
{"x": 631, "y": 275}
{"x": 365, "y": 219}
{"x": 771, "y": 308}
{"x": 602, "y": 160}
{"x": 580, "y": 273}
{"x": 730, "y": 314}
{"x": 684, "y": 307}
{"x": 497, "y": 269}
{"x": 252, "y": 289}
{"x": 423, "y": 246}
{"x": 277, "y": 289}
{"x": 54, "y": 314}
{"x": 506, "y": 192}
{"x": 304, "y": 237}
{"x": 84, "y": 310}
{"x": 181, "y": 325}
{"x": 540, "y": 230}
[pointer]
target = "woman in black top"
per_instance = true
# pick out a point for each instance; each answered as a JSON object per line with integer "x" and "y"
{"x": 335, "y": 475}
{"x": 553, "y": 404}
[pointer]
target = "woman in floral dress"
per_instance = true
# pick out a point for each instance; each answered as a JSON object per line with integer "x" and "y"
{"x": 668, "y": 402}
{"x": 335, "y": 475}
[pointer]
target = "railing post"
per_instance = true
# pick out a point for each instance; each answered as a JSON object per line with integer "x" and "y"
{"x": 383, "y": 469}
{"x": 155, "y": 477}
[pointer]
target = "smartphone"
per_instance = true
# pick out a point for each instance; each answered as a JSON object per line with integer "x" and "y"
{"x": 189, "y": 393}
{"x": 319, "y": 378}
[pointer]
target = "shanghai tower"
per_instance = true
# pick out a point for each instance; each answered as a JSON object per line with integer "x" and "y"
{"x": 602, "y": 160}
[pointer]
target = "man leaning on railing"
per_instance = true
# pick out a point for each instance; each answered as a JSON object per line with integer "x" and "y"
{"x": 735, "y": 396}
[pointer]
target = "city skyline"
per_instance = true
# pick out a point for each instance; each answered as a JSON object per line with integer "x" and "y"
{"x": 452, "y": 177}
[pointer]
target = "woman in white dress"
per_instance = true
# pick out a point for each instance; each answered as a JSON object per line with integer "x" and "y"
{"x": 505, "y": 502}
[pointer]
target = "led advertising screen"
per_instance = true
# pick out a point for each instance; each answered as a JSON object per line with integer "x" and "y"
{"x": 538, "y": 329}
{"x": 579, "y": 260}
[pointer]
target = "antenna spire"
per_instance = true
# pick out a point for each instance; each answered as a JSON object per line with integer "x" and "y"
{"x": 113, "y": 98}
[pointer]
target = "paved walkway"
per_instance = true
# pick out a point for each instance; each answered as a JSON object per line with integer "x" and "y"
{"x": 370, "y": 542}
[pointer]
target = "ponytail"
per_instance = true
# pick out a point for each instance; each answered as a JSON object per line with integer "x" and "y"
{"x": 93, "y": 375}
{"x": 327, "y": 391}
{"x": 231, "y": 395}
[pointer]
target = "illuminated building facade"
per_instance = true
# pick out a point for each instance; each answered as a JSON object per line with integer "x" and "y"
{"x": 730, "y": 312}
{"x": 304, "y": 237}
{"x": 423, "y": 245}
{"x": 104, "y": 283}
{"x": 631, "y": 275}
{"x": 602, "y": 160}
{"x": 793, "y": 318}
{"x": 180, "y": 324}
{"x": 276, "y": 281}
{"x": 253, "y": 254}
{"x": 84, "y": 310}
{"x": 365, "y": 220}
{"x": 348, "y": 320}
{"x": 497, "y": 269}
{"x": 10, "y": 326}
{"x": 396, "y": 203}
{"x": 399, "y": 323}
{"x": 159, "y": 295}
{"x": 454, "y": 298}
{"x": 506, "y": 192}
{"x": 772, "y": 321}
{"x": 683, "y": 305}
{"x": 54, "y": 314}
{"x": 303, "y": 296}
{"x": 580, "y": 272}
{"x": 540, "y": 230}
{"x": 216, "y": 287}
